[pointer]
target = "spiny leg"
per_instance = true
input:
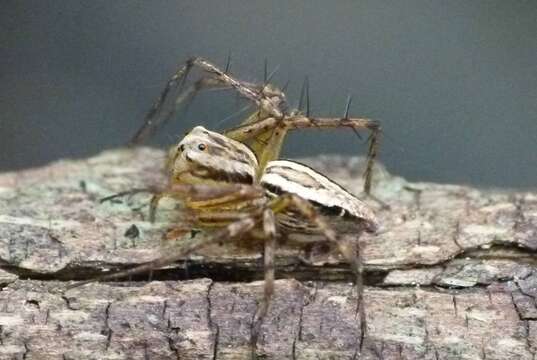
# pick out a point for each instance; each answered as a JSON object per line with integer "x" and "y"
{"x": 129, "y": 193}
{"x": 279, "y": 128}
{"x": 303, "y": 122}
{"x": 153, "y": 205}
{"x": 373, "y": 144}
{"x": 264, "y": 135}
{"x": 236, "y": 222}
{"x": 185, "y": 98}
{"x": 205, "y": 196}
{"x": 222, "y": 76}
{"x": 269, "y": 231}
{"x": 232, "y": 231}
{"x": 218, "y": 78}
{"x": 349, "y": 251}
{"x": 151, "y": 121}
{"x": 246, "y": 90}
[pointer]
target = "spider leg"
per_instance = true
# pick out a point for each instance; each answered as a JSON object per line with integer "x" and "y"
{"x": 151, "y": 121}
{"x": 204, "y": 196}
{"x": 303, "y": 122}
{"x": 223, "y": 77}
{"x": 176, "y": 233}
{"x": 278, "y": 128}
{"x": 349, "y": 249}
{"x": 155, "y": 119}
{"x": 232, "y": 223}
{"x": 373, "y": 141}
{"x": 153, "y": 205}
{"x": 244, "y": 89}
{"x": 262, "y": 134}
{"x": 216, "y": 78}
{"x": 269, "y": 230}
{"x": 187, "y": 97}
{"x": 128, "y": 193}
{"x": 232, "y": 231}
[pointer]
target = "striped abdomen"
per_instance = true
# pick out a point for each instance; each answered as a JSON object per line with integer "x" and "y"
{"x": 344, "y": 211}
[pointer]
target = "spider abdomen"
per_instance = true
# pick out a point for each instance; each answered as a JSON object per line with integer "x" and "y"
{"x": 346, "y": 212}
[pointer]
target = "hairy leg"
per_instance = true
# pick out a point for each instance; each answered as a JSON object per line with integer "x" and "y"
{"x": 269, "y": 231}
{"x": 232, "y": 231}
{"x": 151, "y": 120}
{"x": 128, "y": 193}
{"x": 206, "y": 196}
{"x": 214, "y": 78}
{"x": 349, "y": 249}
{"x": 278, "y": 129}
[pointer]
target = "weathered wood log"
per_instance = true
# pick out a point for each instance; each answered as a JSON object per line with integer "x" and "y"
{"x": 452, "y": 274}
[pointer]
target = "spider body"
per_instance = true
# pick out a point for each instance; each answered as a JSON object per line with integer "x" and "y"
{"x": 210, "y": 159}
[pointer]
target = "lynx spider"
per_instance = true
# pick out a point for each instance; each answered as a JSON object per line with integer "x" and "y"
{"x": 233, "y": 184}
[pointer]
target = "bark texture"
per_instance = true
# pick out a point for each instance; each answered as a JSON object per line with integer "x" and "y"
{"x": 452, "y": 274}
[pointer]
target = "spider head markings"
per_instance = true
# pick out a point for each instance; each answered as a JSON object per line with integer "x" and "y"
{"x": 204, "y": 156}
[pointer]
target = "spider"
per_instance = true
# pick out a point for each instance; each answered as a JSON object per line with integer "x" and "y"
{"x": 218, "y": 182}
{"x": 265, "y": 129}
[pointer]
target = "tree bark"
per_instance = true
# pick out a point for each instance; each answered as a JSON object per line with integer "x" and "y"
{"x": 452, "y": 274}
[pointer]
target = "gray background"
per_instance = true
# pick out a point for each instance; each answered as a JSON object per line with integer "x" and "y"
{"x": 453, "y": 83}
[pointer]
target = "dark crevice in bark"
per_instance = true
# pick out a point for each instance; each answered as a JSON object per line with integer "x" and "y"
{"x": 527, "y": 337}
{"x": 107, "y": 330}
{"x": 455, "y": 238}
{"x": 454, "y": 298}
{"x": 173, "y": 348}
{"x": 525, "y": 294}
{"x": 520, "y": 316}
{"x": 67, "y": 301}
{"x": 249, "y": 271}
{"x": 26, "y": 351}
{"x": 218, "y": 272}
{"x": 164, "y": 309}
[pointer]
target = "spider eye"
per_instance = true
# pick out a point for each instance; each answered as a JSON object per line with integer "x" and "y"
{"x": 182, "y": 147}
{"x": 202, "y": 147}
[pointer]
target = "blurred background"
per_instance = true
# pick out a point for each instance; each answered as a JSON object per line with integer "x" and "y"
{"x": 453, "y": 83}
